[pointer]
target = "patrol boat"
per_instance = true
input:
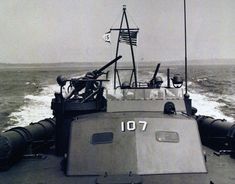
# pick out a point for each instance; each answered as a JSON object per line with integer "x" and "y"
{"x": 149, "y": 133}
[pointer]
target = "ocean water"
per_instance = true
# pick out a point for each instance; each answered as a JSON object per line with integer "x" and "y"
{"x": 212, "y": 89}
{"x": 26, "y": 93}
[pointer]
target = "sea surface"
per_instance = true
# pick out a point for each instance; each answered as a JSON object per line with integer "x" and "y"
{"x": 26, "y": 93}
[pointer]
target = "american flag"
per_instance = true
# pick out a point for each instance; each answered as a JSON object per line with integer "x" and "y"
{"x": 124, "y": 37}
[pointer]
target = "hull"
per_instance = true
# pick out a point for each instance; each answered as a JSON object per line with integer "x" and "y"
{"x": 33, "y": 171}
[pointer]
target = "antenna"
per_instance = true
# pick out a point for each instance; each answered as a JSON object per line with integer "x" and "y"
{"x": 185, "y": 51}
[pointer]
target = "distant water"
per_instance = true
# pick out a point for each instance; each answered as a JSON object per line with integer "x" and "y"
{"x": 212, "y": 89}
{"x": 25, "y": 94}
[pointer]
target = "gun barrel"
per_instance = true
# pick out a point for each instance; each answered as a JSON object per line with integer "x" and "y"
{"x": 107, "y": 65}
{"x": 156, "y": 71}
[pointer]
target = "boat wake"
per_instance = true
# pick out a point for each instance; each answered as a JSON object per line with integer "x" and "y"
{"x": 207, "y": 106}
{"x": 37, "y": 107}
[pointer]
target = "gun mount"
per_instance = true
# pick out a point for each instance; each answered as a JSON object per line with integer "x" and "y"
{"x": 84, "y": 95}
{"x": 89, "y": 82}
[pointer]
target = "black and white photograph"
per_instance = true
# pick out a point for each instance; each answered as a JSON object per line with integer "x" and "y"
{"x": 117, "y": 92}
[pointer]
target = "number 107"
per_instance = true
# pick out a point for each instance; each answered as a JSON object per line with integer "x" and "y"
{"x": 131, "y": 125}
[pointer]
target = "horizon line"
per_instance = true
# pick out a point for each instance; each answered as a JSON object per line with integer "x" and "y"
{"x": 225, "y": 60}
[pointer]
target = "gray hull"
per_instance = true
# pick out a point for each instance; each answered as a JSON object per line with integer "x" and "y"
{"x": 32, "y": 171}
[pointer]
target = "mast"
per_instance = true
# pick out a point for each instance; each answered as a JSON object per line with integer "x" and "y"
{"x": 128, "y": 29}
{"x": 185, "y": 51}
{"x": 132, "y": 52}
{"x": 117, "y": 49}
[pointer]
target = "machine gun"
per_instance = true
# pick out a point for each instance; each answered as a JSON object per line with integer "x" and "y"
{"x": 89, "y": 82}
{"x": 155, "y": 82}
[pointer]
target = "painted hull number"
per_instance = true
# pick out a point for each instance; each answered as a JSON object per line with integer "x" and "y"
{"x": 131, "y": 125}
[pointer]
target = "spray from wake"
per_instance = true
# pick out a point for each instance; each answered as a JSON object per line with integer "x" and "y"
{"x": 208, "y": 107}
{"x": 37, "y": 107}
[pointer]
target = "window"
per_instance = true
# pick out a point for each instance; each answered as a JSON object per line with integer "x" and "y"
{"x": 167, "y": 136}
{"x": 102, "y": 138}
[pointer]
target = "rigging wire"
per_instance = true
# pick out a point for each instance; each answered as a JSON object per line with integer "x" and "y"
{"x": 129, "y": 15}
{"x": 116, "y": 19}
{"x": 132, "y": 19}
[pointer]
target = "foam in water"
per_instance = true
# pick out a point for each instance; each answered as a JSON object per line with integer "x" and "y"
{"x": 37, "y": 107}
{"x": 117, "y": 93}
{"x": 206, "y": 106}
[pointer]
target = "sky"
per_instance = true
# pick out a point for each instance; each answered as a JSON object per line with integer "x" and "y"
{"x": 44, "y": 31}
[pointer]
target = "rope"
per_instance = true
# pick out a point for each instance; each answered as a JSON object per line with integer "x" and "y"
{"x": 131, "y": 18}
{"x": 115, "y": 20}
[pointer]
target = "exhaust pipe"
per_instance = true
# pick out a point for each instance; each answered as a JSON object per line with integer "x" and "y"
{"x": 216, "y": 133}
{"x": 15, "y": 142}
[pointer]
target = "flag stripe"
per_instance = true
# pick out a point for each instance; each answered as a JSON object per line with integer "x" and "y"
{"x": 124, "y": 37}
